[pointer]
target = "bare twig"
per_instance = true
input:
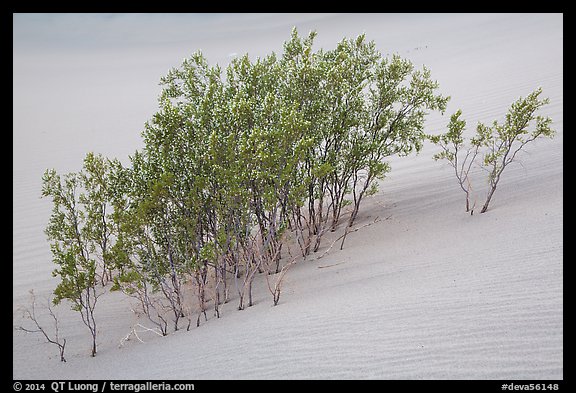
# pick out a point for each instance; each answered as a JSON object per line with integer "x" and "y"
{"x": 277, "y": 287}
{"x": 31, "y": 314}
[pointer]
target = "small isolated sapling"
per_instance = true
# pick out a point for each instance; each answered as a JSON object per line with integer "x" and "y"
{"x": 504, "y": 141}
{"x": 452, "y": 144}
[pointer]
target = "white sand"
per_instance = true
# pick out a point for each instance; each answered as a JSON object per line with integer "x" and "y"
{"x": 429, "y": 293}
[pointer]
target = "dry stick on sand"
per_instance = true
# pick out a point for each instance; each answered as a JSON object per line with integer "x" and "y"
{"x": 134, "y": 332}
{"x": 346, "y": 232}
{"x": 31, "y": 314}
{"x": 334, "y": 264}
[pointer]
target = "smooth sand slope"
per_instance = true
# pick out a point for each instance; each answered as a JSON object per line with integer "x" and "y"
{"x": 426, "y": 292}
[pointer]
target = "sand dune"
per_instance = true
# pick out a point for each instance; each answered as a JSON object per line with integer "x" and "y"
{"x": 427, "y": 292}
